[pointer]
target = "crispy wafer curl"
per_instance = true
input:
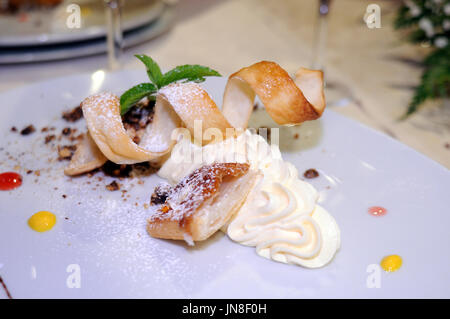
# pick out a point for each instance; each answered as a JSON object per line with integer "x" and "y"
{"x": 287, "y": 101}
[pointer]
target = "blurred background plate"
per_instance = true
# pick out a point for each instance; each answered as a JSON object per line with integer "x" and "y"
{"x": 86, "y": 48}
{"x": 48, "y": 25}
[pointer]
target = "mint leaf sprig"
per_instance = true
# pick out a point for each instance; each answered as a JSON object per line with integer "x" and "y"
{"x": 195, "y": 73}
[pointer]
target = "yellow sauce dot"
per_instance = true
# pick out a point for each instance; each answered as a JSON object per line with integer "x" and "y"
{"x": 391, "y": 263}
{"x": 42, "y": 221}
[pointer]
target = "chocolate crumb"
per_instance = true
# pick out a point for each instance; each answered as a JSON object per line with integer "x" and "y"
{"x": 116, "y": 170}
{"x": 296, "y": 136}
{"x": 44, "y": 129}
{"x": 49, "y": 138}
{"x": 139, "y": 116}
{"x": 74, "y": 138}
{"x": 136, "y": 139}
{"x": 29, "y": 172}
{"x": 447, "y": 145}
{"x": 28, "y": 130}
{"x": 73, "y": 115}
{"x": 311, "y": 173}
{"x": 66, "y": 131}
{"x": 160, "y": 194}
{"x": 113, "y": 186}
{"x": 66, "y": 152}
{"x": 143, "y": 169}
{"x": 13, "y": 129}
{"x": 64, "y": 196}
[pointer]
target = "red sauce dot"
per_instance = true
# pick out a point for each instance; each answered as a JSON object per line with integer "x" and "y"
{"x": 377, "y": 211}
{"x": 10, "y": 180}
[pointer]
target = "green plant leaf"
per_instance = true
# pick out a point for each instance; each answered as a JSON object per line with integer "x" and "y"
{"x": 187, "y": 72}
{"x": 134, "y": 95}
{"x": 153, "y": 71}
{"x": 435, "y": 80}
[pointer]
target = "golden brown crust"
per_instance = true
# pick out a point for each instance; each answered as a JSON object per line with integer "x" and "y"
{"x": 287, "y": 101}
{"x": 176, "y": 217}
{"x": 191, "y": 103}
{"x": 87, "y": 157}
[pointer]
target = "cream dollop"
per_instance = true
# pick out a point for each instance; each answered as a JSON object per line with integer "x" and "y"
{"x": 280, "y": 216}
{"x": 281, "y": 219}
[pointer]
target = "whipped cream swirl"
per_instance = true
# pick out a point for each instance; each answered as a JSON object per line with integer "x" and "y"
{"x": 281, "y": 219}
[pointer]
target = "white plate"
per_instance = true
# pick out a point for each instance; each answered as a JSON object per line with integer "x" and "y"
{"x": 48, "y": 26}
{"x": 106, "y": 238}
{"x": 86, "y": 48}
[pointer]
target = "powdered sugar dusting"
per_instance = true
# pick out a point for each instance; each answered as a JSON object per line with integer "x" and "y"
{"x": 102, "y": 98}
{"x": 103, "y": 110}
{"x": 181, "y": 96}
{"x": 186, "y": 197}
{"x": 154, "y": 143}
{"x": 181, "y": 91}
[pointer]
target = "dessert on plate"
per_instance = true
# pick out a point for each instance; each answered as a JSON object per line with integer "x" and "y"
{"x": 220, "y": 175}
{"x": 202, "y": 202}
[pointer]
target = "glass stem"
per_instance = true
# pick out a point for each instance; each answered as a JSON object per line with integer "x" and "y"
{"x": 114, "y": 32}
{"x": 319, "y": 48}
